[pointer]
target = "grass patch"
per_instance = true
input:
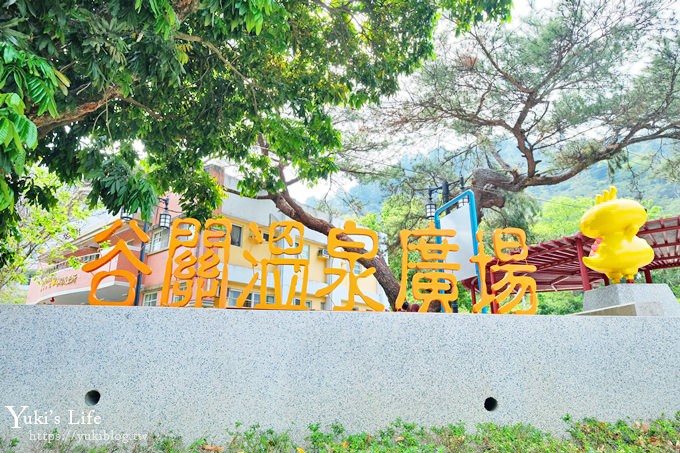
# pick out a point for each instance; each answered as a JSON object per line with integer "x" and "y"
{"x": 587, "y": 435}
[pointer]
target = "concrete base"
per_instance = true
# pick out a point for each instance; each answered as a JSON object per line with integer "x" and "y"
{"x": 616, "y": 310}
{"x": 197, "y": 372}
{"x": 616, "y": 300}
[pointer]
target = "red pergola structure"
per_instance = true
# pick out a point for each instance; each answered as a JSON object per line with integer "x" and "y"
{"x": 559, "y": 266}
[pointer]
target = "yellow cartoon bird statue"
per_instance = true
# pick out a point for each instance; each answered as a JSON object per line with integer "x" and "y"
{"x": 614, "y": 223}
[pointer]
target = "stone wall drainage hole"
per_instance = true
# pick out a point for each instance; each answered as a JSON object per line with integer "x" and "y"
{"x": 490, "y": 404}
{"x": 92, "y": 398}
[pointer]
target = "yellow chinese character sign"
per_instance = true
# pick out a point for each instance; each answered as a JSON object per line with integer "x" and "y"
{"x": 197, "y": 267}
{"x": 505, "y": 295}
{"x": 185, "y": 265}
{"x": 120, "y": 248}
{"x": 433, "y": 279}
{"x": 342, "y": 245}
{"x": 285, "y": 246}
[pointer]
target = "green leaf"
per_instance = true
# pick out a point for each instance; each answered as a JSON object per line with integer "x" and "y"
{"x": 18, "y": 80}
{"x": 5, "y": 127}
{"x": 52, "y": 108}
{"x": 31, "y": 139}
{"x": 15, "y": 102}
{"x": 22, "y": 125}
{"x": 6, "y": 195}
{"x": 17, "y": 142}
{"x": 62, "y": 78}
{"x": 10, "y": 54}
{"x": 19, "y": 163}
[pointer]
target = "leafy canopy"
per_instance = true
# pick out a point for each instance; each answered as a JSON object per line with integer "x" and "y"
{"x": 249, "y": 81}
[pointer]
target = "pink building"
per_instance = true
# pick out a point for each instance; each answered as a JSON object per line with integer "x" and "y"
{"x": 64, "y": 283}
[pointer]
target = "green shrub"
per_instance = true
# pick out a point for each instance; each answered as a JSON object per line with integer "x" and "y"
{"x": 583, "y": 436}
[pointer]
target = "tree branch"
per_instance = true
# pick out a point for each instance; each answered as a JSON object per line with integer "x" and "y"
{"x": 257, "y": 197}
{"x": 45, "y": 123}
{"x": 148, "y": 110}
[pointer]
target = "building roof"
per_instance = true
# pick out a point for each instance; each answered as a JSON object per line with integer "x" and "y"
{"x": 557, "y": 261}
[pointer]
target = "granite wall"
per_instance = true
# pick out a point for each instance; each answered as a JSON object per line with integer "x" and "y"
{"x": 101, "y": 371}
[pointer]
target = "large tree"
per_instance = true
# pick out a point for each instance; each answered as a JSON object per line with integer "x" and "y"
{"x": 250, "y": 81}
{"x": 536, "y": 103}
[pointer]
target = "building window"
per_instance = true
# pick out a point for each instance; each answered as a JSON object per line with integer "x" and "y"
{"x": 270, "y": 299}
{"x": 296, "y": 301}
{"x": 87, "y": 258}
{"x": 216, "y": 282}
{"x": 236, "y": 235}
{"x": 251, "y": 300}
{"x": 159, "y": 240}
{"x": 323, "y": 305}
{"x": 232, "y": 296}
{"x": 305, "y": 251}
{"x": 308, "y": 303}
{"x": 178, "y": 298}
{"x": 150, "y": 299}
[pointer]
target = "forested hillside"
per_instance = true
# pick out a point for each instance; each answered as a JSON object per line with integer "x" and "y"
{"x": 643, "y": 176}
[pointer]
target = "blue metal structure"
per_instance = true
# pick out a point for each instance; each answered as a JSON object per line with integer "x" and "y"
{"x": 470, "y": 197}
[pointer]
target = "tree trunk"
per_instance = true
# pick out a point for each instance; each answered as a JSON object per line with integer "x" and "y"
{"x": 385, "y": 278}
{"x": 488, "y": 186}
